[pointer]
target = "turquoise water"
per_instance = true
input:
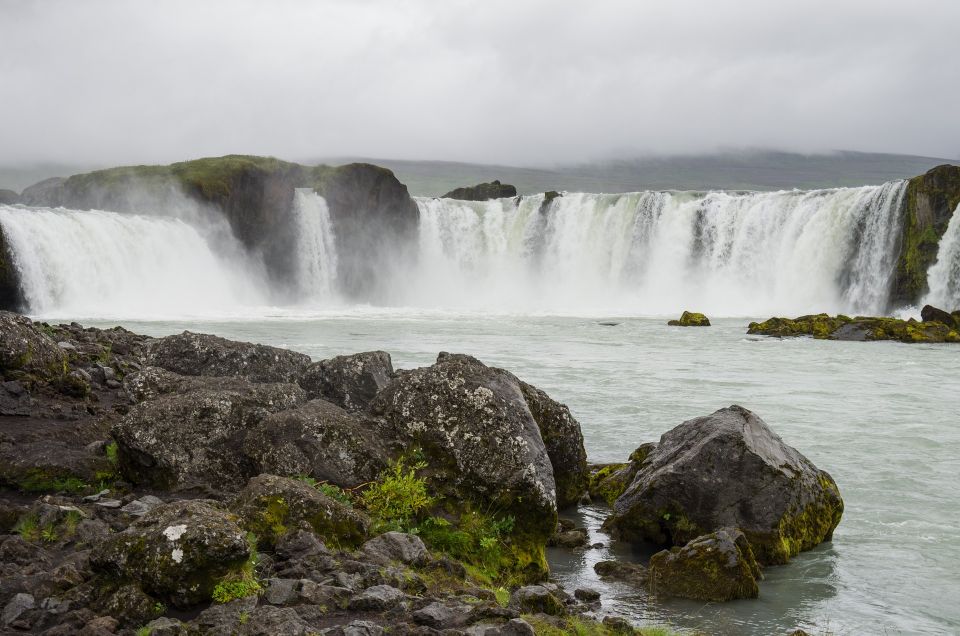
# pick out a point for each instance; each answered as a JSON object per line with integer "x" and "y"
{"x": 882, "y": 418}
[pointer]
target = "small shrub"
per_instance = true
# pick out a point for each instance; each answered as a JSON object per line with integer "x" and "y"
{"x": 397, "y": 496}
{"x": 28, "y": 528}
{"x": 476, "y": 539}
{"x": 49, "y": 534}
{"x": 336, "y": 492}
{"x": 111, "y": 451}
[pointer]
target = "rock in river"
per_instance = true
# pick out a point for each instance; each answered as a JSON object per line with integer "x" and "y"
{"x": 716, "y": 567}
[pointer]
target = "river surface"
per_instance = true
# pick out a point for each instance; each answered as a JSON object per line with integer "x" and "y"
{"x": 882, "y": 418}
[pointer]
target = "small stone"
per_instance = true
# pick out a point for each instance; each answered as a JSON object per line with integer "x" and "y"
{"x": 280, "y": 591}
{"x": 142, "y": 506}
{"x": 96, "y": 497}
{"x": 16, "y": 606}
{"x": 109, "y": 503}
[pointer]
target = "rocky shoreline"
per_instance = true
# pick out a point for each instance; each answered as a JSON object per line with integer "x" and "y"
{"x": 936, "y": 325}
{"x": 196, "y": 485}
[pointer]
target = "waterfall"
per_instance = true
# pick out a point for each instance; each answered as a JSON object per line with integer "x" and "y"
{"x": 943, "y": 276}
{"x": 92, "y": 263}
{"x": 726, "y": 253}
{"x": 316, "y": 247}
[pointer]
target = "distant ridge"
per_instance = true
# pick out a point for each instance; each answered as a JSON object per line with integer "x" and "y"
{"x": 754, "y": 170}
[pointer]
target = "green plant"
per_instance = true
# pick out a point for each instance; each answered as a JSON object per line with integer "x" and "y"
{"x": 336, "y": 492}
{"x": 111, "y": 451}
{"x": 503, "y": 596}
{"x": 397, "y": 496}
{"x": 159, "y": 608}
{"x": 106, "y": 355}
{"x": 70, "y": 522}
{"x": 144, "y": 631}
{"x": 28, "y": 527}
{"x": 48, "y": 534}
{"x": 476, "y": 539}
{"x": 243, "y": 582}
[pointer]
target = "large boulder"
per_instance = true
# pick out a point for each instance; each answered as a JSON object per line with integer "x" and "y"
{"x": 716, "y": 567}
{"x": 319, "y": 440}
{"x": 929, "y": 313}
{"x": 25, "y": 350}
{"x": 270, "y": 506}
{"x": 350, "y": 382}
{"x": 195, "y": 438}
{"x": 482, "y": 192}
{"x": 177, "y": 552}
{"x": 563, "y": 440}
{"x": 203, "y": 354}
{"x": 728, "y": 469}
{"x": 479, "y": 439}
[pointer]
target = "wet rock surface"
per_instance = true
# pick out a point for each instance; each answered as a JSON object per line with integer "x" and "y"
{"x": 861, "y": 328}
{"x": 716, "y": 567}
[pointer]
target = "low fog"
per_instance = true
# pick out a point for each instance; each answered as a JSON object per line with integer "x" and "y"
{"x": 536, "y": 82}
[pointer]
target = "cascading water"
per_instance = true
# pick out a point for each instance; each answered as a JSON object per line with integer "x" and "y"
{"x": 943, "y": 276}
{"x": 93, "y": 263}
{"x": 660, "y": 252}
{"x": 316, "y": 247}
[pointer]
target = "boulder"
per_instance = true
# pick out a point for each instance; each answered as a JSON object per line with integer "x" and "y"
{"x": 608, "y": 481}
{"x": 203, "y": 354}
{"x": 270, "y": 506}
{"x": 25, "y": 350}
{"x": 690, "y": 319}
{"x": 320, "y": 440}
{"x": 622, "y": 571}
{"x": 482, "y": 192}
{"x": 377, "y": 598}
{"x": 929, "y": 313}
{"x": 563, "y": 440}
{"x": 177, "y": 552}
{"x": 533, "y": 599}
{"x": 861, "y": 328}
{"x": 479, "y": 439}
{"x": 195, "y": 439}
{"x": 398, "y": 547}
{"x": 442, "y": 616}
{"x": 350, "y": 382}
{"x": 719, "y": 566}
{"x": 728, "y": 469}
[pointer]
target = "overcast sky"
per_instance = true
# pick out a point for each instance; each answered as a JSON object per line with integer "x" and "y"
{"x": 514, "y": 82}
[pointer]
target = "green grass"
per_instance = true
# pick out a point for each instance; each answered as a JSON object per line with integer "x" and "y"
{"x": 242, "y": 583}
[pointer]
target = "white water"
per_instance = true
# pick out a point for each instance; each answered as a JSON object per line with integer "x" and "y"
{"x": 97, "y": 263}
{"x": 316, "y": 247}
{"x": 944, "y": 275}
{"x": 655, "y": 253}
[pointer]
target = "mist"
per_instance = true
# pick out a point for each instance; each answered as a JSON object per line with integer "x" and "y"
{"x": 103, "y": 82}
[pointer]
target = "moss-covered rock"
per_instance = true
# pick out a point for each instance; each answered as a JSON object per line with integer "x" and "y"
{"x": 728, "y": 469}
{"x": 270, "y": 506}
{"x": 690, "y": 319}
{"x": 482, "y": 192}
{"x": 842, "y": 327}
{"x": 929, "y": 204}
{"x": 609, "y": 481}
{"x": 26, "y": 351}
{"x": 929, "y": 313}
{"x": 177, "y": 552}
{"x": 716, "y": 567}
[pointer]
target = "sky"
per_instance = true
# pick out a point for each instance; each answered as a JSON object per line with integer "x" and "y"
{"x": 514, "y": 82}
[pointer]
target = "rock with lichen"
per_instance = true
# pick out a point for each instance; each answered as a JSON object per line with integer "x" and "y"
{"x": 690, "y": 319}
{"x": 718, "y": 567}
{"x": 728, "y": 469}
{"x": 861, "y": 328}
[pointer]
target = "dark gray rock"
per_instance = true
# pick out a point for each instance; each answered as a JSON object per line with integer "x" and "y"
{"x": 478, "y": 437}
{"x": 622, "y": 571}
{"x": 177, "y": 552}
{"x": 267, "y": 620}
{"x": 203, "y": 354}
{"x": 482, "y": 192}
{"x": 377, "y": 598}
{"x": 280, "y": 591}
{"x": 401, "y": 547}
{"x": 586, "y": 594}
{"x": 716, "y": 567}
{"x": 513, "y": 627}
{"x": 350, "y": 382}
{"x": 437, "y": 615}
{"x": 563, "y": 440}
{"x": 729, "y": 469}
{"x": 195, "y": 439}
{"x": 356, "y": 628}
{"x": 16, "y": 607}
{"x": 532, "y": 599}
{"x": 321, "y": 440}
{"x": 27, "y": 350}
{"x": 269, "y": 506}
{"x": 929, "y": 313}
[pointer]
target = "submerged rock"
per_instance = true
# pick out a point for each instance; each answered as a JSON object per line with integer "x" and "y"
{"x": 270, "y": 506}
{"x": 350, "y": 382}
{"x": 690, "y": 319}
{"x": 203, "y": 354}
{"x": 177, "y": 552}
{"x": 728, "y": 469}
{"x": 320, "y": 440}
{"x": 716, "y": 567}
{"x": 482, "y": 192}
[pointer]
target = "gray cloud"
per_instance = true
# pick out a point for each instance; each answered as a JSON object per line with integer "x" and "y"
{"x": 497, "y": 81}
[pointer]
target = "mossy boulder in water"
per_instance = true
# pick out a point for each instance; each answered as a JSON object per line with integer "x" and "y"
{"x": 177, "y": 552}
{"x": 728, "y": 469}
{"x": 929, "y": 313}
{"x": 690, "y": 319}
{"x": 719, "y": 566}
{"x": 861, "y": 328}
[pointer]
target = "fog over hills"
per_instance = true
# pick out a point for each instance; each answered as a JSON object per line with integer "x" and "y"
{"x": 734, "y": 170}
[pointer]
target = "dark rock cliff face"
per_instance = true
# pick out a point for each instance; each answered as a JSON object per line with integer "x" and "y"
{"x": 372, "y": 213}
{"x": 482, "y": 192}
{"x": 11, "y": 296}
{"x": 929, "y": 203}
